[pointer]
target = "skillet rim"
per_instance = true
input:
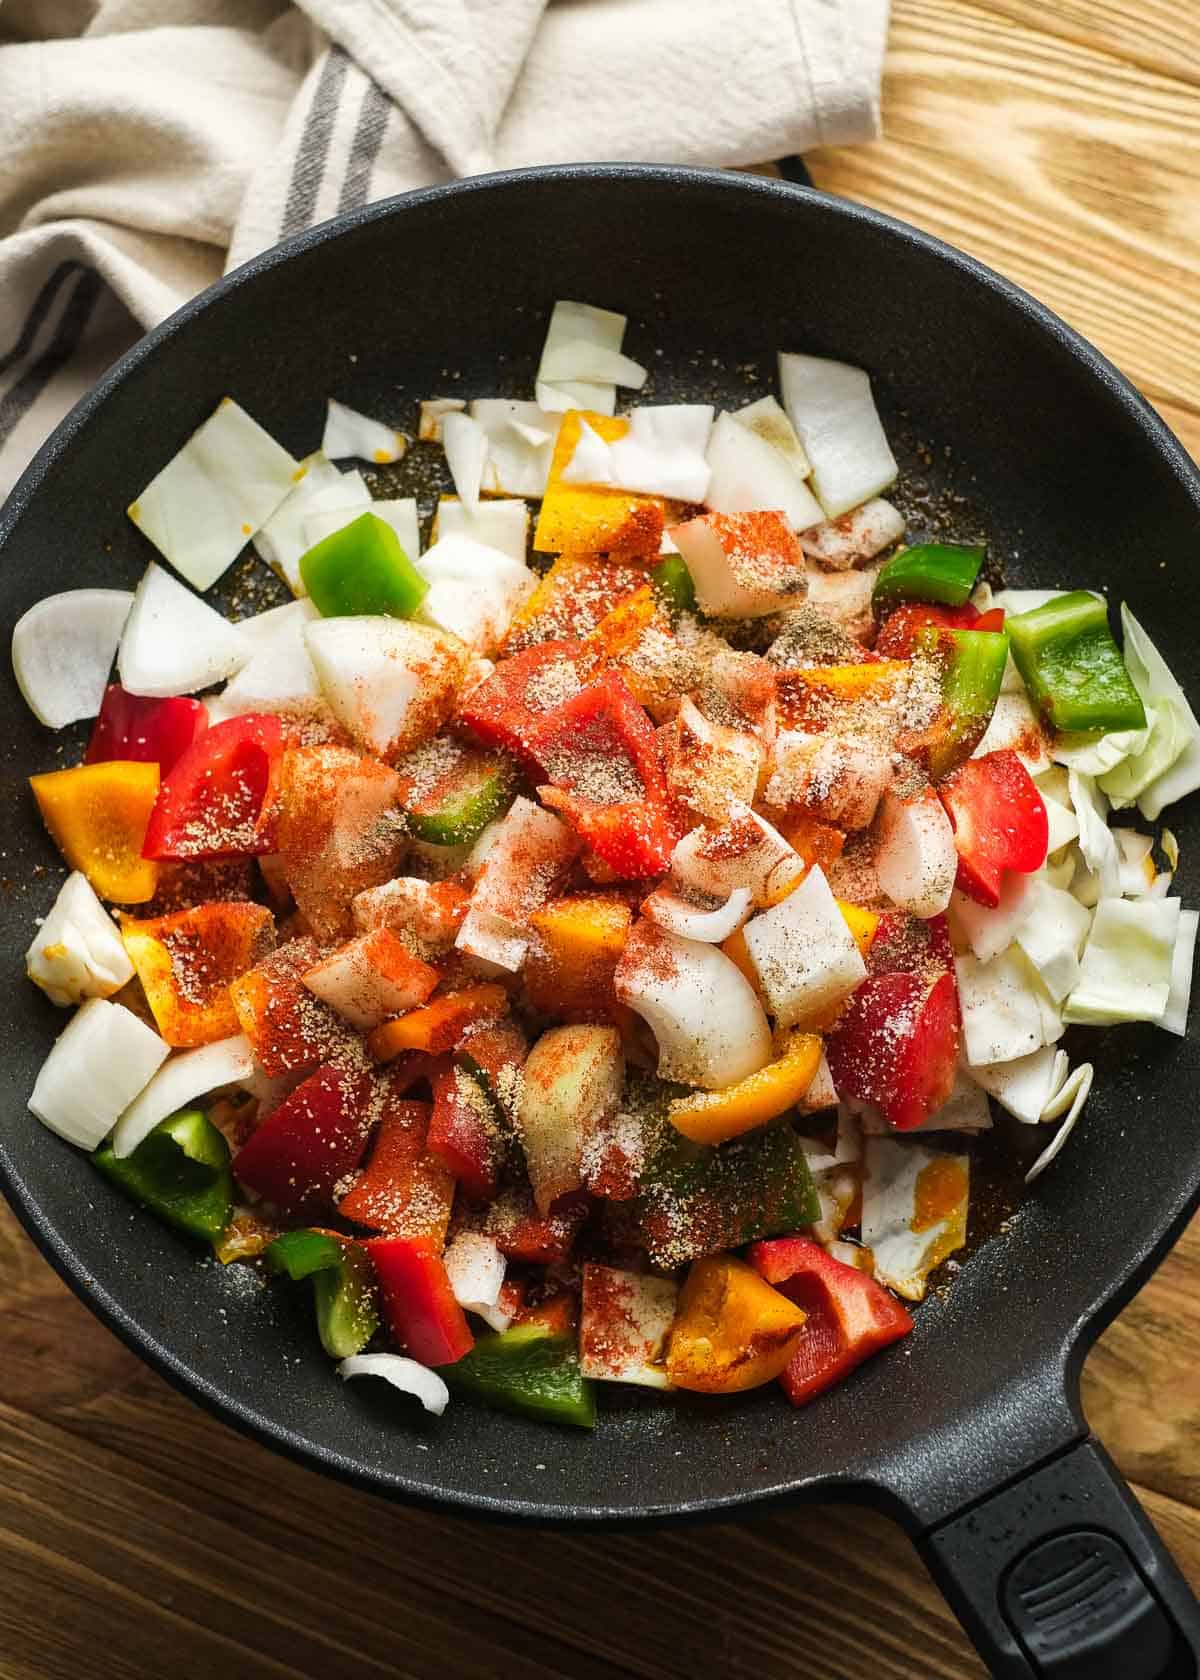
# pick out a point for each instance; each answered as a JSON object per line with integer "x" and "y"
{"x": 1055, "y": 1364}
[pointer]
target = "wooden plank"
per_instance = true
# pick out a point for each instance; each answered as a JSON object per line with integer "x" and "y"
{"x": 1069, "y": 171}
{"x": 1161, "y": 35}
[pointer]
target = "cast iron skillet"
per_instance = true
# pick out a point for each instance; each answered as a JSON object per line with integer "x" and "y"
{"x": 971, "y": 1434}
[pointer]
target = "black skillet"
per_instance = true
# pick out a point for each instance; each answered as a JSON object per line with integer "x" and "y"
{"x": 970, "y": 1434}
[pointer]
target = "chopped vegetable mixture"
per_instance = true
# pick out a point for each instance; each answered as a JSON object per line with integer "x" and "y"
{"x": 587, "y": 955}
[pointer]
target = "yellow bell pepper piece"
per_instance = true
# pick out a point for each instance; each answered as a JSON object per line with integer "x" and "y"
{"x": 850, "y": 682}
{"x": 716, "y": 1116}
{"x": 97, "y": 815}
{"x": 589, "y": 519}
{"x": 573, "y": 597}
{"x": 573, "y": 956}
{"x": 815, "y": 840}
{"x": 732, "y": 1330}
{"x": 862, "y": 924}
{"x": 187, "y": 960}
{"x": 621, "y": 630}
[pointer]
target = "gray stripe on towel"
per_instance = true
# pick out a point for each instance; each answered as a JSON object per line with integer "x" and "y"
{"x": 313, "y": 149}
{"x": 17, "y": 401}
{"x": 364, "y": 149}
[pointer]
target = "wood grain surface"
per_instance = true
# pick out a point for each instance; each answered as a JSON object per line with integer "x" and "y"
{"x": 138, "y": 1537}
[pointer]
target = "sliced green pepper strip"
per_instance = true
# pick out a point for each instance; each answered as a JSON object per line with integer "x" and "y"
{"x": 673, "y": 582}
{"x": 456, "y": 811}
{"x": 697, "y": 1200}
{"x": 528, "y": 1370}
{"x": 180, "y": 1172}
{"x": 972, "y": 675}
{"x": 343, "y": 1286}
{"x": 1073, "y": 668}
{"x": 362, "y": 569}
{"x": 943, "y": 572}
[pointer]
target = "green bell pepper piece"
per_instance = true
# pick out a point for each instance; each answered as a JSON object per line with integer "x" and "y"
{"x": 476, "y": 790}
{"x": 696, "y": 1200}
{"x": 1073, "y": 668}
{"x": 972, "y": 675}
{"x": 528, "y": 1370}
{"x": 180, "y": 1172}
{"x": 943, "y": 572}
{"x": 673, "y": 582}
{"x": 362, "y": 569}
{"x": 343, "y": 1286}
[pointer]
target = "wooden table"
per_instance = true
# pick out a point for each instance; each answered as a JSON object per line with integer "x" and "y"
{"x": 138, "y": 1537}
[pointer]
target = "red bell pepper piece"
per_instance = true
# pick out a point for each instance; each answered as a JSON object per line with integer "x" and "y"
{"x": 896, "y": 1046}
{"x": 418, "y": 1302}
{"x": 464, "y": 1133}
{"x": 992, "y": 620}
{"x": 504, "y": 709}
{"x": 523, "y": 1234}
{"x": 148, "y": 731}
{"x": 897, "y": 636}
{"x": 219, "y": 799}
{"x": 599, "y": 751}
{"x": 850, "y": 1316}
{"x": 999, "y": 821}
{"x": 302, "y": 1151}
{"x": 905, "y": 944}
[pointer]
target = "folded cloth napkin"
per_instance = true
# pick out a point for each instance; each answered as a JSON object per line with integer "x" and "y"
{"x": 147, "y": 145}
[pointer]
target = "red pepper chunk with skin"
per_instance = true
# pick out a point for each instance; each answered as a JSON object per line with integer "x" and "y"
{"x": 418, "y": 1302}
{"x": 896, "y": 1045}
{"x": 848, "y": 1315}
{"x": 464, "y": 1134}
{"x": 132, "y": 727}
{"x": 220, "y": 797}
{"x": 303, "y": 1150}
{"x": 999, "y": 822}
{"x": 600, "y": 753}
{"x": 505, "y": 709}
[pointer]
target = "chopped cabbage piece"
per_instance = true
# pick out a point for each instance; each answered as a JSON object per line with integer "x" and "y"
{"x": 898, "y": 1175}
{"x": 1083, "y": 1084}
{"x": 1126, "y": 969}
{"x": 1025, "y": 1086}
{"x": 521, "y": 438}
{"x": 284, "y": 537}
{"x": 1183, "y": 957}
{"x": 1052, "y": 936}
{"x": 1096, "y": 843}
{"x": 831, "y": 406}
{"x": 1160, "y": 692}
{"x": 575, "y": 323}
{"x": 351, "y": 435}
{"x": 1005, "y": 1010}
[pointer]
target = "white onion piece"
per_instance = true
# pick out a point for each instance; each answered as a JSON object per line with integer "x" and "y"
{"x": 1183, "y": 957}
{"x": 63, "y": 649}
{"x": 767, "y": 418}
{"x": 173, "y": 642}
{"x": 831, "y": 406}
{"x": 846, "y": 598}
{"x": 357, "y": 984}
{"x": 747, "y": 852}
{"x": 990, "y": 929}
{"x": 279, "y": 675}
{"x": 179, "y": 1081}
{"x": 389, "y": 681}
{"x": 860, "y": 534}
{"x": 804, "y": 955}
{"x": 624, "y": 1322}
{"x": 502, "y": 525}
{"x": 466, "y": 446}
{"x": 283, "y": 538}
{"x": 405, "y": 1374}
{"x": 77, "y": 952}
{"x": 690, "y": 921}
{"x": 1005, "y": 1013}
{"x": 743, "y": 565}
{"x": 432, "y": 412}
{"x": 916, "y": 860}
{"x": 409, "y": 906}
{"x": 527, "y": 853}
{"x": 476, "y": 1267}
{"x": 521, "y": 438}
{"x": 1125, "y": 974}
{"x": 463, "y": 557}
{"x": 222, "y": 487}
{"x": 1082, "y": 1090}
{"x": 473, "y": 609}
{"x": 746, "y": 472}
{"x": 710, "y": 1028}
{"x": 260, "y": 629}
{"x": 576, "y": 358}
{"x": 661, "y": 454}
{"x": 351, "y": 435}
{"x": 570, "y": 1090}
{"x": 97, "y": 1065}
{"x": 1025, "y": 1086}
{"x": 1014, "y": 723}
{"x": 569, "y": 323}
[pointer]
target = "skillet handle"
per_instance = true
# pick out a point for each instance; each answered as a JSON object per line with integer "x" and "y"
{"x": 1060, "y": 1576}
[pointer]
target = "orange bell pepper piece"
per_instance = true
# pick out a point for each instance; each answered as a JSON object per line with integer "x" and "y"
{"x": 715, "y": 1116}
{"x": 572, "y": 598}
{"x": 732, "y": 1331}
{"x": 816, "y": 841}
{"x": 588, "y": 518}
{"x": 807, "y": 694}
{"x": 186, "y": 962}
{"x": 621, "y": 630}
{"x": 571, "y": 962}
{"x": 438, "y": 1025}
{"x": 97, "y": 815}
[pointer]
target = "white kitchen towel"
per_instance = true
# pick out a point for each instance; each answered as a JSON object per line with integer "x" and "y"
{"x": 148, "y": 145}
